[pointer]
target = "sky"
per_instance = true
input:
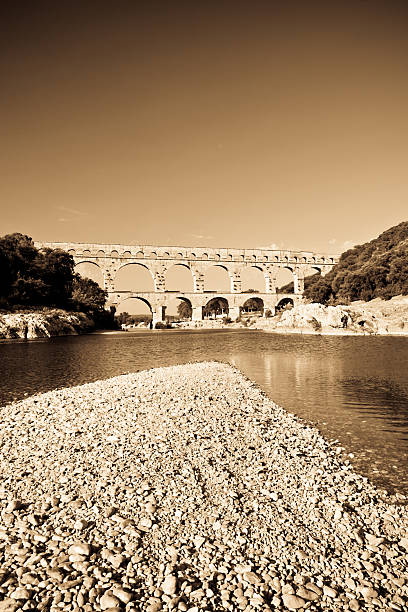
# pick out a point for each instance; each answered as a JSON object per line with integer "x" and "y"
{"x": 241, "y": 124}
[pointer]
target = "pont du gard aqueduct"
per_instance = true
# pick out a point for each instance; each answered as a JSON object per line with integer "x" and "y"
{"x": 111, "y": 258}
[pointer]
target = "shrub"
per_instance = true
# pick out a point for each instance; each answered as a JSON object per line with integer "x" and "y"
{"x": 163, "y": 325}
{"x": 317, "y": 326}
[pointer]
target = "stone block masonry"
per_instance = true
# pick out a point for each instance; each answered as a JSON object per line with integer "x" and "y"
{"x": 111, "y": 258}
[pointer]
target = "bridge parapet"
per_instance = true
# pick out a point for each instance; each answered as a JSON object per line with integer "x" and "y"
{"x": 191, "y": 254}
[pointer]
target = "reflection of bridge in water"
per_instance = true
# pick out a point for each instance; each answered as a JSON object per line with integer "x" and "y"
{"x": 110, "y": 258}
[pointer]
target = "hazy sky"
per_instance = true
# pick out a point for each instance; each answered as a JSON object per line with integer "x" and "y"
{"x": 204, "y": 123}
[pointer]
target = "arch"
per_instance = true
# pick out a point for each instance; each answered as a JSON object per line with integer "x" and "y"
{"x": 265, "y": 258}
{"x": 252, "y": 280}
{"x": 284, "y": 304}
{"x": 114, "y": 253}
{"x": 253, "y": 304}
{"x": 284, "y": 280}
{"x": 139, "y": 255}
{"x": 166, "y": 255}
{"x": 153, "y": 255}
{"x": 179, "y": 256}
{"x": 100, "y": 253}
{"x": 217, "y": 278}
{"x": 90, "y": 269}
{"x": 127, "y": 254}
{"x": 316, "y": 268}
{"x": 134, "y": 277}
{"x": 86, "y": 253}
{"x": 193, "y": 255}
{"x": 176, "y": 312}
{"x": 229, "y": 257}
{"x": 138, "y": 308}
{"x": 72, "y": 252}
{"x": 204, "y": 256}
{"x": 215, "y": 308}
{"x": 241, "y": 257}
{"x": 217, "y": 257}
{"x": 179, "y": 277}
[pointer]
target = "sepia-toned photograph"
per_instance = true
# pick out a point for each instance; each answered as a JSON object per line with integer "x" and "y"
{"x": 204, "y": 306}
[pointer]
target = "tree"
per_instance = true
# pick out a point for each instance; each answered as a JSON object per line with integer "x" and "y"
{"x": 215, "y": 307}
{"x": 87, "y": 296}
{"x": 184, "y": 310}
{"x": 57, "y": 274}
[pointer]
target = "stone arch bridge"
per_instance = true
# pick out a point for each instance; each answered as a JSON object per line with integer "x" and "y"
{"x": 110, "y": 258}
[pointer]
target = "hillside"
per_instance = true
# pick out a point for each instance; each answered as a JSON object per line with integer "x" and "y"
{"x": 378, "y": 268}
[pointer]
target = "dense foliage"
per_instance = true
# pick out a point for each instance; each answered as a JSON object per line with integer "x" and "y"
{"x": 46, "y": 277}
{"x": 378, "y": 268}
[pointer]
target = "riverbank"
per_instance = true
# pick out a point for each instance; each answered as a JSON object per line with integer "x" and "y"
{"x": 44, "y": 323}
{"x": 187, "y": 488}
{"x": 377, "y": 317}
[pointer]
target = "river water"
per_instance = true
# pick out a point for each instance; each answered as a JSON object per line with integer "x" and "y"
{"x": 355, "y": 389}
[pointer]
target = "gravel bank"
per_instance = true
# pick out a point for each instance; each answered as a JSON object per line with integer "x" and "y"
{"x": 186, "y": 488}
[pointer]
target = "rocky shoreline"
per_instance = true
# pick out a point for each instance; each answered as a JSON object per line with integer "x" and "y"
{"x": 45, "y": 323}
{"x": 186, "y": 488}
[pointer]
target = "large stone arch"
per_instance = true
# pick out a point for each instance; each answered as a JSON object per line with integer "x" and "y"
{"x": 172, "y": 306}
{"x": 178, "y": 270}
{"x": 222, "y": 283}
{"x": 124, "y": 274}
{"x": 90, "y": 269}
{"x": 284, "y": 276}
{"x": 130, "y": 303}
{"x": 253, "y": 278}
{"x": 284, "y": 303}
{"x": 253, "y": 304}
{"x": 220, "y": 310}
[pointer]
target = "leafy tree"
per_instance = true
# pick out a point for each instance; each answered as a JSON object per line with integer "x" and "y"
{"x": 184, "y": 310}
{"x": 378, "y": 268}
{"x": 87, "y": 296}
{"x": 215, "y": 307}
{"x": 254, "y": 305}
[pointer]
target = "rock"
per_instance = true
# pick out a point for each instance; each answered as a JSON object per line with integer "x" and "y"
{"x": 79, "y": 548}
{"x": 123, "y": 595}
{"x": 306, "y": 594}
{"x": 368, "y": 592}
{"x": 293, "y": 602}
{"x": 109, "y": 601}
{"x": 404, "y": 543}
{"x": 329, "y": 592}
{"x": 154, "y": 605}
{"x": 20, "y": 593}
{"x": 169, "y": 585}
{"x": 14, "y": 504}
{"x": 252, "y": 578}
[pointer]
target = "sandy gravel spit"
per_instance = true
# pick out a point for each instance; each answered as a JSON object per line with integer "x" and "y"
{"x": 187, "y": 488}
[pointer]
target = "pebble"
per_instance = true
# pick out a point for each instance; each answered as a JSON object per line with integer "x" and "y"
{"x": 293, "y": 602}
{"x": 210, "y": 497}
{"x": 80, "y": 548}
{"x": 169, "y": 585}
{"x": 108, "y": 601}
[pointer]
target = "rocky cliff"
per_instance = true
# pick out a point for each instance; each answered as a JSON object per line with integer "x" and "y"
{"x": 44, "y": 324}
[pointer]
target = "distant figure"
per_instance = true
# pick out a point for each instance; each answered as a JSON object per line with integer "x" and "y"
{"x": 151, "y": 325}
{"x": 344, "y": 320}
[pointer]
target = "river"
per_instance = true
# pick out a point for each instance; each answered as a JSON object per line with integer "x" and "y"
{"x": 355, "y": 389}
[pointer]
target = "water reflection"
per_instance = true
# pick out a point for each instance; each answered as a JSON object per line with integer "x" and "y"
{"x": 354, "y": 389}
